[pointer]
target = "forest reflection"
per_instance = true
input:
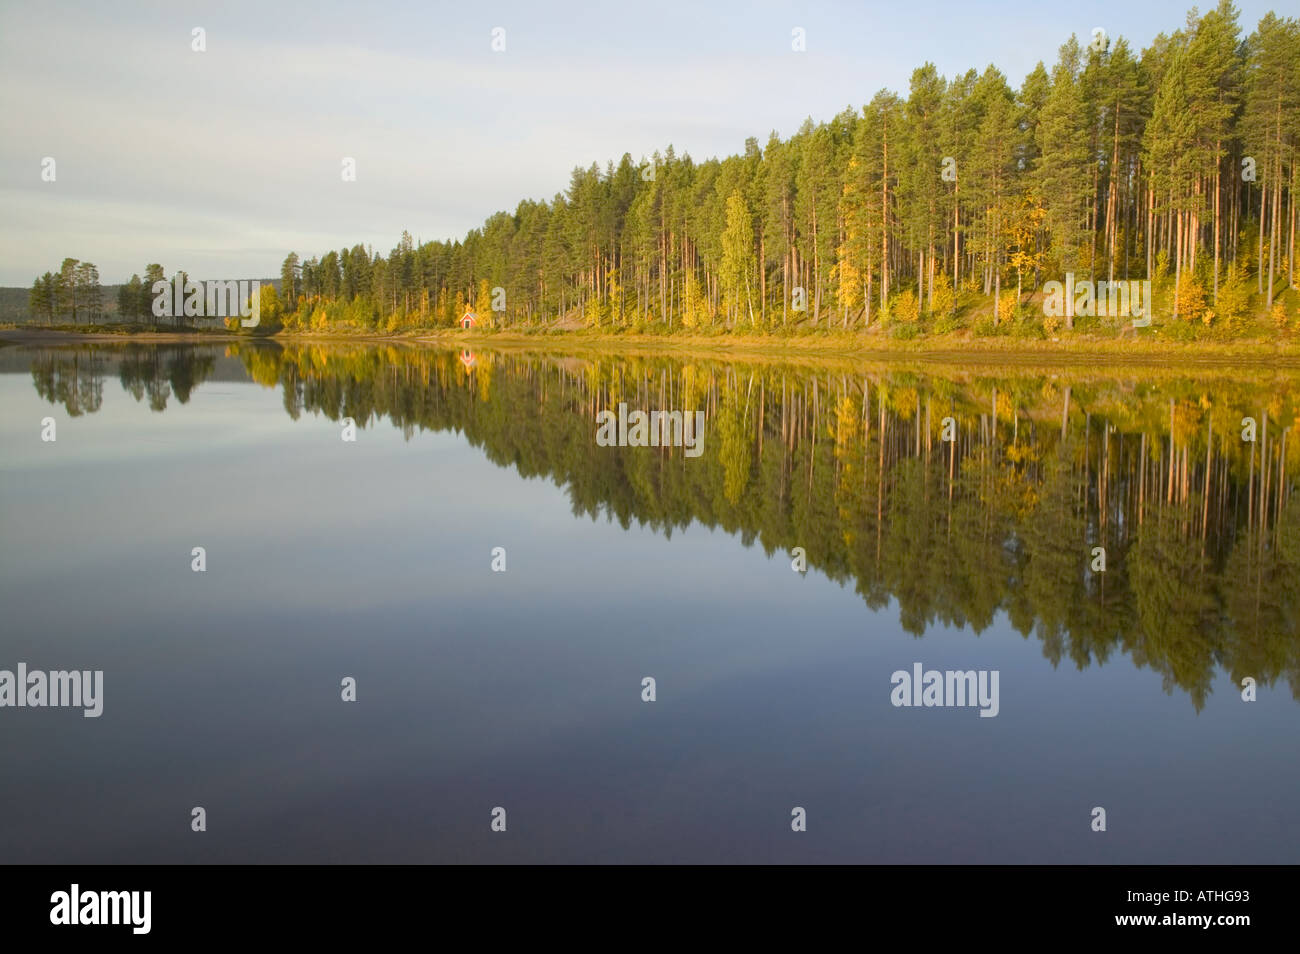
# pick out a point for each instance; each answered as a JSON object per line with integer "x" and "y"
{"x": 74, "y": 377}
{"x": 1200, "y": 527}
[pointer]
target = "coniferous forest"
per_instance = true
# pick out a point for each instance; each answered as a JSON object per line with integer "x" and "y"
{"x": 941, "y": 209}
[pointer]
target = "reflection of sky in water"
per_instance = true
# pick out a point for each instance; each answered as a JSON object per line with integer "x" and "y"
{"x": 522, "y": 689}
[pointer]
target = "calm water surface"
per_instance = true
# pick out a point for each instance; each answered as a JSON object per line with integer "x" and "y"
{"x": 523, "y": 689}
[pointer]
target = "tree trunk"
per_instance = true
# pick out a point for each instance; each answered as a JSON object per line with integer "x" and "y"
{"x": 1218, "y": 171}
{"x": 1178, "y": 267}
{"x": 1112, "y": 203}
{"x": 884, "y": 227}
{"x": 1277, "y": 195}
{"x": 1259, "y": 256}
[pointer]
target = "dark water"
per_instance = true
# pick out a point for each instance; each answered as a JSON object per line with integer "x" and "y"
{"x": 522, "y": 689}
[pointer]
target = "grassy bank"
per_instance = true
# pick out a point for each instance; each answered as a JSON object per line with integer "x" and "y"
{"x": 1066, "y": 348}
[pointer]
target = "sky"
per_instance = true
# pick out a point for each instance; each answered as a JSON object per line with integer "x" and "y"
{"x": 223, "y": 161}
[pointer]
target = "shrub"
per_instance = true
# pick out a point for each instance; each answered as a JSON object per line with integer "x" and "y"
{"x": 1234, "y": 296}
{"x": 942, "y": 300}
{"x": 1007, "y": 306}
{"x": 906, "y": 307}
{"x": 1027, "y": 329}
{"x": 946, "y": 325}
{"x": 1178, "y": 331}
{"x": 1190, "y": 299}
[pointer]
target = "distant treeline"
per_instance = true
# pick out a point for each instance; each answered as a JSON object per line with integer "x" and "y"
{"x": 74, "y": 295}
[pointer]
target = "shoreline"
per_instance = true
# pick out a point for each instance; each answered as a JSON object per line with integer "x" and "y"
{"x": 977, "y": 351}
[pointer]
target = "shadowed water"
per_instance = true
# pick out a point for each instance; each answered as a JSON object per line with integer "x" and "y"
{"x": 947, "y": 517}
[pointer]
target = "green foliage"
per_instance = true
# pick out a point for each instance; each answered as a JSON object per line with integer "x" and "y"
{"x": 1027, "y": 329}
{"x": 945, "y": 325}
{"x": 1235, "y": 297}
{"x": 1178, "y": 330}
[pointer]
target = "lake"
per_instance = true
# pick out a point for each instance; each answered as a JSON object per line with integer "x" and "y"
{"x": 393, "y": 645}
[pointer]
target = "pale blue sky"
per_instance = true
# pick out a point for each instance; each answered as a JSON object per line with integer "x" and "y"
{"x": 222, "y": 162}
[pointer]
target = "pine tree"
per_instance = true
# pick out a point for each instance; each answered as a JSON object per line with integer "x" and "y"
{"x": 1062, "y": 166}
